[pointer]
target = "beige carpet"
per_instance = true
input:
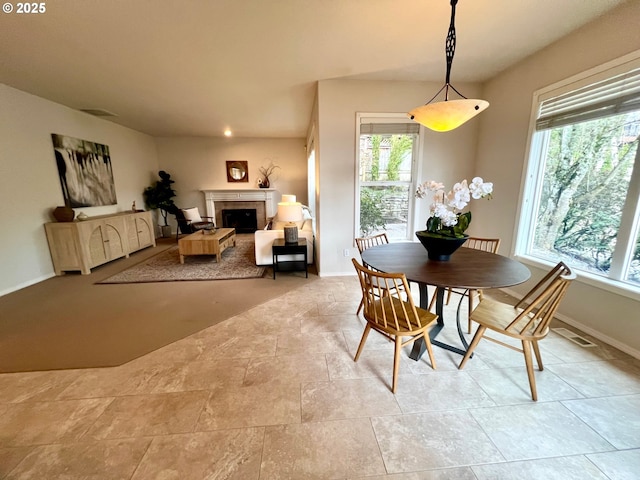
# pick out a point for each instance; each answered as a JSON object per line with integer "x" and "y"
{"x": 236, "y": 262}
{"x": 71, "y": 322}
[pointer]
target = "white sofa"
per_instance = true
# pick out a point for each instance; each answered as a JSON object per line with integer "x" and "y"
{"x": 264, "y": 240}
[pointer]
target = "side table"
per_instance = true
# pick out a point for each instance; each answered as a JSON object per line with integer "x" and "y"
{"x": 280, "y": 247}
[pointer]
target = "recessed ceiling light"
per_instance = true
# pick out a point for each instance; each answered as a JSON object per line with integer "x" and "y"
{"x": 227, "y": 133}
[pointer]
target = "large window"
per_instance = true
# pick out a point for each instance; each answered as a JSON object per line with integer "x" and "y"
{"x": 386, "y": 163}
{"x": 582, "y": 191}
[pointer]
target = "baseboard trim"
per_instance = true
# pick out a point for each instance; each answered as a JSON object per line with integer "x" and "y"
{"x": 337, "y": 274}
{"x": 588, "y": 330}
{"x": 20, "y": 286}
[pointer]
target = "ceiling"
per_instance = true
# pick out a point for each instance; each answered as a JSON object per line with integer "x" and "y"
{"x": 196, "y": 67}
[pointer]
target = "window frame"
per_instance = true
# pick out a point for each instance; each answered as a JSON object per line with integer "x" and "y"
{"x": 365, "y": 117}
{"x": 532, "y": 177}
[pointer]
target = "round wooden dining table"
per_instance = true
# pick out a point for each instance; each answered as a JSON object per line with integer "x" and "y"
{"x": 467, "y": 268}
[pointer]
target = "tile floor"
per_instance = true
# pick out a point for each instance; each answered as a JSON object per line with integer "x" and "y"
{"x": 274, "y": 394}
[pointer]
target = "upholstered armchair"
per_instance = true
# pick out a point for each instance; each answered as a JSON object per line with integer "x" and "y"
{"x": 190, "y": 221}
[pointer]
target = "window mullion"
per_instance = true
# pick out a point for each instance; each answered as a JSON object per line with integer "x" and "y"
{"x": 533, "y": 187}
{"x": 625, "y": 241}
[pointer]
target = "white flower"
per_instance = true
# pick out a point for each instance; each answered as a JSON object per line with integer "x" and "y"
{"x": 429, "y": 186}
{"x": 479, "y": 188}
{"x": 434, "y": 186}
{"x": 448, "y": 218}
{"x": 447, "y": 207}
{"x": 459, "y": 196}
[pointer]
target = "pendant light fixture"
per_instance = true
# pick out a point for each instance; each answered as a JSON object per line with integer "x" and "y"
{"x": 448, "y": 114}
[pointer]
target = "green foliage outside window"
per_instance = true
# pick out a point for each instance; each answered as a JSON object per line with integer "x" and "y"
{"x": 400, "y": 146}
{"x": 371, "y": 218}
{"x": 587, "y": 173}
{"x": 375, "y": 157}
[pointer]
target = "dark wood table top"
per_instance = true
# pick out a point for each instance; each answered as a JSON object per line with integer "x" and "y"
{"x": 467, "y": 268}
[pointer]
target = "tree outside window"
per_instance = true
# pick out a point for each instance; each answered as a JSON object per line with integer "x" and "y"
{"x": 582, "y": 204}
{"x": 587, "y": 171}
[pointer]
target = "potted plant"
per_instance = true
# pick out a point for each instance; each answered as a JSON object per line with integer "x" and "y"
{"x": 447, "y": 224}
{"x": 160, "y": 196}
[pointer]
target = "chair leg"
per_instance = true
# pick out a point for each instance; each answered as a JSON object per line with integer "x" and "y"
{"x": 365, "y": 334}
{"x": 396, "y": 362}
{"x": 427, "y": 343}
{"x": 360, "y": 306}
{"x": 536, "y": 350}
{"x": 526, "y": 348}
{"x": 471, "y": 295}
{"x": 448, "y": 296}
{"x": 474, "y": 344}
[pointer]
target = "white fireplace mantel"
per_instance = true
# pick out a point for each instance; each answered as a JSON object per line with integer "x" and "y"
{"x": 266, "y": 195}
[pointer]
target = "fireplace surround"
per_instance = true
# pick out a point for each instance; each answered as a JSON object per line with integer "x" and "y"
{"x": 263, "y": 200}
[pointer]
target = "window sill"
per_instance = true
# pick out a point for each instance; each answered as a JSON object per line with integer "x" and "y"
{"x": 613, "y": 286}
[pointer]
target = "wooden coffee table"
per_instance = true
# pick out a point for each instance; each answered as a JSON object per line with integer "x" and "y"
{"x": 202, "y": 243}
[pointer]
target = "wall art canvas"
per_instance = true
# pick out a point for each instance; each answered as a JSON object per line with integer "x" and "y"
{"x": 85, "y": 172}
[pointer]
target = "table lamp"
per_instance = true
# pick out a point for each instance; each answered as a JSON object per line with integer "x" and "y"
{"x": 290, "y": 211}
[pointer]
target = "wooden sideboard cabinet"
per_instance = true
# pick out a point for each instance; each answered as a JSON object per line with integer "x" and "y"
{"x": 83, "y": 245}
{"x": 140, "y": 232}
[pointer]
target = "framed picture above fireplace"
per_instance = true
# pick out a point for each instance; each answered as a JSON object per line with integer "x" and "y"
{"x": 237, "y": 171}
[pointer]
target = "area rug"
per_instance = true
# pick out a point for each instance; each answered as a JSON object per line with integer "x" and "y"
{"x": 236, "y": 262}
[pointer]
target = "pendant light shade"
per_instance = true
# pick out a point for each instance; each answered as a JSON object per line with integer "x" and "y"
{"x": 448, "y": 114}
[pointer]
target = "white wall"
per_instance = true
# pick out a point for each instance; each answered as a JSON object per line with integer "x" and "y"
{"x": 502, "y": 148}
{"x": 199, "y": 163}
{"x": 447, "y": 157}
{"x": 29, "y": 184}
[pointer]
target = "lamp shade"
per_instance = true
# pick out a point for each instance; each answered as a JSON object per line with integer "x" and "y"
{"x": 289, "y": 210}
{"x": 449, "y": 114}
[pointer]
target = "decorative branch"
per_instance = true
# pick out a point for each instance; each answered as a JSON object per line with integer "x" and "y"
{"x": 268, "y": 170}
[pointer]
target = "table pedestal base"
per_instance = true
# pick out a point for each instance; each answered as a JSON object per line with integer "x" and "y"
{"x": 419, "y": 346}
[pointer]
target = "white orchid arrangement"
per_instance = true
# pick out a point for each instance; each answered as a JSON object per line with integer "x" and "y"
{"x": 446, "y": 217}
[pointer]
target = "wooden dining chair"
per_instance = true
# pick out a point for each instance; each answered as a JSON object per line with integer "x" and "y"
{"x": 477, "y": 243}
{"x": 367, "y": 242}
{"x": 527, "y": 321}
{"x": 390, "y": 315}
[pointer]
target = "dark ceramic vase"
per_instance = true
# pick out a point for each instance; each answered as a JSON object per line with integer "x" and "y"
{"x": 439, "y": 248}
{"x": 63, "y": 214}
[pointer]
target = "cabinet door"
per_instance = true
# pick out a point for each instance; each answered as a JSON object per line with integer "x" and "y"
{"x": 132, "y": 233}
{"x": 114, "y": 241}
{"x": 144, "y": 231}
{"x": 113, "y": 233}
{"x": 105, "y": 240}
{"x": 97, "y": 250}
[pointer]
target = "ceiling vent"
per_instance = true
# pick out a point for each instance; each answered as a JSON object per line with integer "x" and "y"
{"x": 98, "y": 112}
